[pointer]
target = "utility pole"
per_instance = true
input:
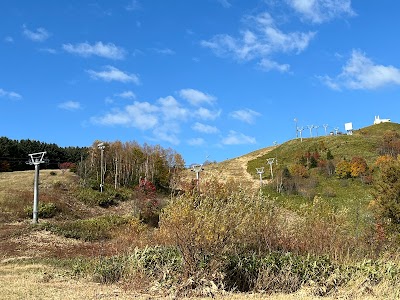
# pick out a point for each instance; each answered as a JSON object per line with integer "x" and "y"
{"x": 260, "y": 171}
{"x": 197, "y": 169}
{"x": 270, "y": 161}
{"x": 101, "y": 147}
{"x": 36, "y": 160}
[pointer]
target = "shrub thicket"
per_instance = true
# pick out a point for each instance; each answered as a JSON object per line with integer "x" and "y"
{"x": 225, "y": 222}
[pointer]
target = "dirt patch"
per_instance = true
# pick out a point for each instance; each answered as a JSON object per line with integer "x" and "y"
{"x": 235, "y": 168}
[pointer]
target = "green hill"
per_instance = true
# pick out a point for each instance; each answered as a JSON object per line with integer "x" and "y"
{"x": 351, "y": 194}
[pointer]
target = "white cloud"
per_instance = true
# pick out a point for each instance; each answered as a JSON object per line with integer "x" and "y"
{"x": 126, "y": 95}
{"x": 39, "y": 35}
{"x": 196, "y": 142}
{"x": 49, "y": 50}
{"x": 167, "y": 132}
{"x": 8, "y": 39}
{"x": 319, "y": 11}
{"x": 98, "y": 49}
{"x": 225, "y": 3}
{"x": 133, "y": 5}
{"x": 269, "y": 65}
{"x": 206, "y": 114}
{"x": 259, "y": 40}
{"x": 360, "y": 72}
{"x": 141, "y": 115}
{"x": 70, "y": 105}
{"x": 163, "y": 118}
{"x": 205, "y": 128}
{"x": 245, "y": 115}
{"x": 9, "y": 95}
{"x": 171, "y": 109}
{"x": 164, "y": 51}
{"x": 113, "y": 74}
{"x": 196, "y": 97}
{"x": 236, "y": 138}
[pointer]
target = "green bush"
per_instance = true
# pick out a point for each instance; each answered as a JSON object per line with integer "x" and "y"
{"x": 109, "y": 269}
{"x": 45, "y": 210}
{"x": 94, "y": 229}
{"x": 276, "y": 271}
{"x": 108, "y": 198}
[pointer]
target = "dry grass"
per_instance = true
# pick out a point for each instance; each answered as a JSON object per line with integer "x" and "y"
{"x": 35, "y": 281}
{"x": 38, "y": 281}
{"x": 235, "y": 169}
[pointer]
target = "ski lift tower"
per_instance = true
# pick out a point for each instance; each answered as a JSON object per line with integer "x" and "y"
{"x": 101, "y": 146}
{"x": 197, "y": 169}
{"x": 36, "y": 159}
{"x": 349, "y": 128}
{"x": 300, "y": 130}
{"x": 260, "y": 171}
{"x": 270, "y": 161}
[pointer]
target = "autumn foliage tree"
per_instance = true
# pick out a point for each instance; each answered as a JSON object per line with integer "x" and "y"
{"x": 343, "y": 169}
{"x": 125, "y": 164}
{"x": 358, "y": 167}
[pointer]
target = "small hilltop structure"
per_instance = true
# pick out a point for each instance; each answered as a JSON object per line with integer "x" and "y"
{"x": 378, "y": 120}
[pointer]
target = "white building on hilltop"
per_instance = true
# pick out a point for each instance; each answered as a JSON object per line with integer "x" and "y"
{"x": 378, "y": 120}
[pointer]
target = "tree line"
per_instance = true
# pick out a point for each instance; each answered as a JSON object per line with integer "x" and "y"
{"x": 127, "y": 164}
{"x": 14, "y": 154}
{"x": 124, "y": 164}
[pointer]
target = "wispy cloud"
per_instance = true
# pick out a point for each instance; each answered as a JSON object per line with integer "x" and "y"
{"x": 163, "y": 118}
{"x": 206, "y": 114}
{"x": 269, "y": 65}
{"x": 164, "y": 51}
{"x": 9, "y": 95}
{"x": 113, "y": 74}
{"x": 196, "y": 142}
{"x": 260, "y": 38}
{"x": 141, "y": 115}
{"x": 39, "y": 35}
{"x": 70, "y": 105}
{"x": 319, "y": 11}
{"x": 205, "y": 128}
{"x": 196, "y": 97}
{"x": 133, "y": 5}
{"x": 9, "y": 39}
{"x": 171, "y": 109}
{"x": 108, "y": 50}
{"x": 48, "y": 50}
{"x": 245, "y": 115}
{"x": 168, "y": 133}
{"x": 126, "y": 95}
{"x": 225, "y": 3}
{"x": 237, "y": 138}
{"x": 361, "y": 73}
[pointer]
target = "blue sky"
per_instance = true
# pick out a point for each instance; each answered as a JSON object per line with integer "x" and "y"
{"x": 211, "y": 79}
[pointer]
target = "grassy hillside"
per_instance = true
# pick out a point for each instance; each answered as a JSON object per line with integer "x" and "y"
{"x": 363, "y": 142}
{"x": 350, "y": 194}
